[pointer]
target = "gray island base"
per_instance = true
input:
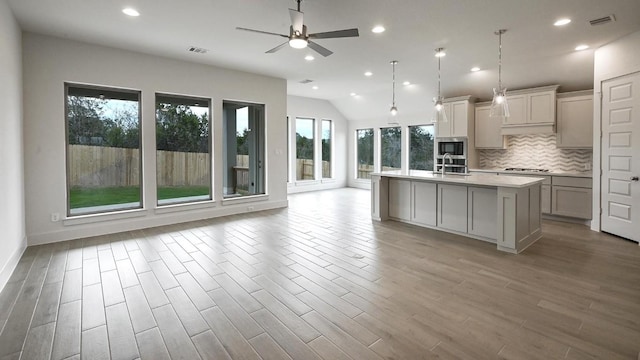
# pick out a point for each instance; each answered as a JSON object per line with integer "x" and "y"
{"x": 504, "y": 210}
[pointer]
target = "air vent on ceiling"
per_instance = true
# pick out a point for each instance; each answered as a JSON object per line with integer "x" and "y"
{"x": 197, "y": 50}
{"x": 306, "y": 81}
{"x": 602, "y": 20}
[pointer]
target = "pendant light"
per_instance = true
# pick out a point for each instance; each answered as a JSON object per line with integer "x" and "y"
{"x": 439, "y": 113}
{"x": 499, "y": 105}
{"x": 394, "y": 109}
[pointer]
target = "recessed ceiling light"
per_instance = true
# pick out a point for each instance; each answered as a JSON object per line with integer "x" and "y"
{"x": 475, "y": 68}
{"x": 378, "y": 29}
{"x": 441, "y": 53}
{"x": 130, "y": 12}
{"x": 314, "y": 87}
{"x": 562, "y": 22}
{"x": 582, "y": 47}
{"x": 368, "y": 73}
{"x": 406, "y": 83}
{"x": 353, "y": 94}
{"x": 309, "y": 57}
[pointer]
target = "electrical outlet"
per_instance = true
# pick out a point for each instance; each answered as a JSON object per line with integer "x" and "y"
{"x": 55, "y": 217}
{"x": 587, "y": 167}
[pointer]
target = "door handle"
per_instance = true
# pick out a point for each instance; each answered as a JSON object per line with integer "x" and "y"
{"x": 634, "y": 178}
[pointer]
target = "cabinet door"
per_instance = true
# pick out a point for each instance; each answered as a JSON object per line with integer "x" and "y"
{"x": 571, "y": 201}
{"x": 541, "y": 108}
{"x": 452, "y": 207}
{"x": 488, "y": 130}
{"x": 443, "y": 129}
{"x": 483, "y": 212}
{"x": 517, "y": 110}
{"x": 545, "y": 195}
{"x": 423, "y": 207}
{"x": 399, "y": 199}
{"x": 575, "y": 122}
{"x": 459, "y": 118}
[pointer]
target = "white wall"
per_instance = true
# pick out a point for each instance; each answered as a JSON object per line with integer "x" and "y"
{"x": 618, "y": 58}
{"x": 50, "y": 62}
{"x": 386, "y": 121}
{"x": 12, "y": 240}
{"x": 319, "y": 110}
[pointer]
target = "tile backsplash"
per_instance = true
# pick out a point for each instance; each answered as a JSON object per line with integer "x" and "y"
{"x": 536, "y": 151}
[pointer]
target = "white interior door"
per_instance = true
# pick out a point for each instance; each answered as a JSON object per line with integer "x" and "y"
{"x": 620, "y": 189}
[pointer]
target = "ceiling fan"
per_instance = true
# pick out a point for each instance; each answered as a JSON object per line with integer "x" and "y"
{"x": 298, "y": 37}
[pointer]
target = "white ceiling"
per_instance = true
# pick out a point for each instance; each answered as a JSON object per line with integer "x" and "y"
{"x": 535, "y": 52}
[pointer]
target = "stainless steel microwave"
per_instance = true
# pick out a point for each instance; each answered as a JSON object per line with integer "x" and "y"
{"x": 452, "y": 146}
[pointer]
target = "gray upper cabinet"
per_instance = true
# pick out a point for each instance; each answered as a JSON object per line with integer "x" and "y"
{"x": 575, "y": 120}
{"x": 532, "y": 111}
{"x": 487, "y": 129}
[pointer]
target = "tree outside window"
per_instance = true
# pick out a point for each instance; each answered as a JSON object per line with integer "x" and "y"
{"x": 421, "y": 147}
{"x": 390, "y": 148}
{"x": 364, "y": 150}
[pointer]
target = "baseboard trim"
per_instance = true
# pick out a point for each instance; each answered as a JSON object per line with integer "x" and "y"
{"x": 10, "y": 266}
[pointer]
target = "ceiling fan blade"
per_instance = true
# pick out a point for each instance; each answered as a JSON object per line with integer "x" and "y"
{"x": 296, "y": 20}
{"x": 261, "y": 32}
{"x": 277, "y": 48}
{"x": 335, "y": 34}
{"x": 320, "y": 49}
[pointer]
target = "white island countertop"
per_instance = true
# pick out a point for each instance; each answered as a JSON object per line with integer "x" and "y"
{"x": 478, "y": 179}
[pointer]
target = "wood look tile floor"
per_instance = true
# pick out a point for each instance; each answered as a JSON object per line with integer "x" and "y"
{"x": 319, "y": 280}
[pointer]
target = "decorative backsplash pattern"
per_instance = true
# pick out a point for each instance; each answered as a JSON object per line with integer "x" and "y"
{"x": 536, "y": 151}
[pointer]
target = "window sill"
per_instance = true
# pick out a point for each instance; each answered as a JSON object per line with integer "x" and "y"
{"x": 245, "y": 199}
{"x": 93, "y": 218}
{"x": 196, "y": 205}
{"x": 307, "y": 182}
{"x": 328, "y": 180}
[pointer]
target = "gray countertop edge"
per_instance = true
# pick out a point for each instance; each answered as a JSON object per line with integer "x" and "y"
{"x": 469, "y": 180}
{"x": 585, "y": 174}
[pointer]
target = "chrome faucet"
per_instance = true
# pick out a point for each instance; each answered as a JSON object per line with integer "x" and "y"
{"x": 444, "y": 162}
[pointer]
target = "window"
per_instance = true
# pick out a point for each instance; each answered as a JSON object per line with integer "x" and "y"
{"x": 421, "y": 147}
{"x": 305, "y": 149}
{"x": 390, "y": 148}
{"x": 364, "y": 149}
{"x": 103, "y": 149}
{"x": 183, "y": 156}
{"x": 326, "y": 149}
{"x": 243, "y": 142}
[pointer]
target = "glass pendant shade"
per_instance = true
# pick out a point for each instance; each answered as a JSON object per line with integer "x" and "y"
{"x": 499, "y": 105}
{"x": 393, "y": 111}
{"x": 439, "y": 113}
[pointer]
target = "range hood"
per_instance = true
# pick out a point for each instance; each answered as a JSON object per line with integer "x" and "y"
{"x": 533, "y": 111}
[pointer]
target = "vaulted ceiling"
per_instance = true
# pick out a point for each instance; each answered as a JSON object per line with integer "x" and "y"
{"x": 535, "y": 52}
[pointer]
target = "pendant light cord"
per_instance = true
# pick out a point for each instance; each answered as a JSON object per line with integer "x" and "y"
{"x": 437, "y": 51}
{"x": 499, "y": 33}
{"x": 393, "y": 82}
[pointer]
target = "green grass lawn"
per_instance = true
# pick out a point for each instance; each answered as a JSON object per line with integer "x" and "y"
{"x": 86, "y": 197}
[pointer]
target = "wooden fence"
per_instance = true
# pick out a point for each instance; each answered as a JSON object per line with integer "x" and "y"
{"x": 99, "y": 166}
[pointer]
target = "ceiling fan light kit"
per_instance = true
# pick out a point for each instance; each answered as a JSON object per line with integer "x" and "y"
{"x": 298, "y": 37}
{"x": 499, "y": 105}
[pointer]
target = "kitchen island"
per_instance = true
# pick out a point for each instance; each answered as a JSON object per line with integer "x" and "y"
{"x": 504, "y": 210}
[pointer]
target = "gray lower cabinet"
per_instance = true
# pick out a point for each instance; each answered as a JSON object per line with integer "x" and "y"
{"x": 423, "y": 207}
{"x": 452, "y": 207}
{"x": 399, "y": 197}
{"x": 545, "y": 196}
{"x": 482, "y": 217}
{"x": 571, "y": 196}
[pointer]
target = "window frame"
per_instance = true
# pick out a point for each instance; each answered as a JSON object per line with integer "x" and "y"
{"x": 331, "y": 149}
{"x": 209, "y": 148}
{"x": 105, "y": 88}
{"x": 314, "y": 146}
